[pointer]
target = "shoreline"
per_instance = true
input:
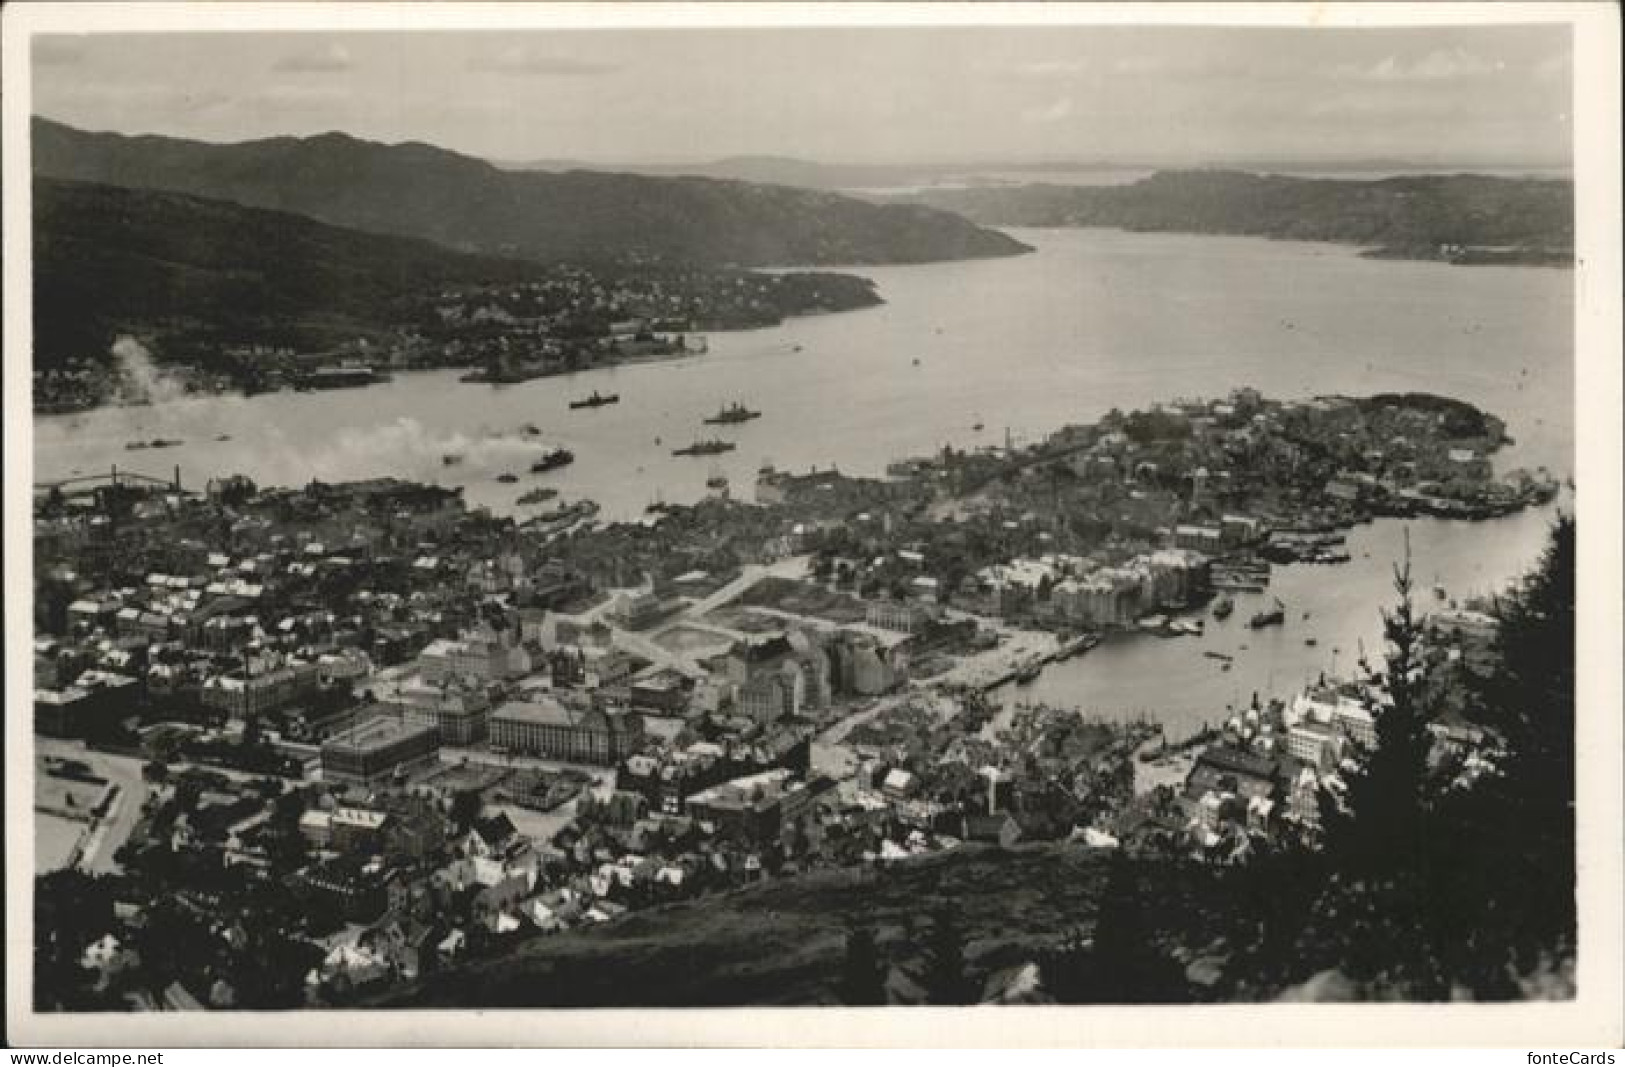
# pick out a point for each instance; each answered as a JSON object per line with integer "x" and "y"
{"x": 385, "y": 374}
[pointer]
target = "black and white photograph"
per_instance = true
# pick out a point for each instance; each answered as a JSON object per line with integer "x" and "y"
{"x": 694, "y": 507}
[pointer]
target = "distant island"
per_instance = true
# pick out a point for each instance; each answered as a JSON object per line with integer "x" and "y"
{"x": 1458, "y": 218}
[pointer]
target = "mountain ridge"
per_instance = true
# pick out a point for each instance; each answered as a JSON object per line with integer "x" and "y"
{"x": 205, "y": 273}
{"x": 1416, "y": 216}
{"x": 467, "y": 204}
{"x": 108, "y": 258}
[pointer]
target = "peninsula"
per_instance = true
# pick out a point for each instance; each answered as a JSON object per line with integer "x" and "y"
{"x": 1457, "y": 218}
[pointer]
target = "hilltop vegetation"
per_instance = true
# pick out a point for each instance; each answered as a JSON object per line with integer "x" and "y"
{"x": 107, "y": 259}
{"x": 1428, "y": 216}
{"x": 416, "y": 190}
{"x": 198, "y": 277}
{"x": 783, "y": 942}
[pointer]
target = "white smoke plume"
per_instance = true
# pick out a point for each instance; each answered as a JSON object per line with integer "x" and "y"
{"x": 144, "y": 380}
{"x": 404, "y": 447}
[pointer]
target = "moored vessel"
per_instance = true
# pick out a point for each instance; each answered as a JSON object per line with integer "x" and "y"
{"x": 735, "y": 412}
{"x": 596, "y": 400}
{"x": 558, "y": 457}
{"x": 704, "y": 448}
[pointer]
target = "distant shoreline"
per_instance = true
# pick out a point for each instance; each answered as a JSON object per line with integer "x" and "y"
{"x": 1466, "y": 219}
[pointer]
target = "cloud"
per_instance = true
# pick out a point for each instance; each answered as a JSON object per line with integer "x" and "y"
{"x": 519, "y": 59}
{"x": 297, "y": 95}
{"x": 1556, "y": 67}
{"x": 1054, "y": 111}
{"x": 1050, "y": 68}
{"x": 58, "y": 51}
{"x": 329, "y": 58}
{"x": 1438, "y": 65}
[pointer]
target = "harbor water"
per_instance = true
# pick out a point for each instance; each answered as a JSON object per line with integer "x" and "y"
{"x": 1091, "y": 320}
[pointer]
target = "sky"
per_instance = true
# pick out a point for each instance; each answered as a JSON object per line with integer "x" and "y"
{"x": 1435, "y": 95}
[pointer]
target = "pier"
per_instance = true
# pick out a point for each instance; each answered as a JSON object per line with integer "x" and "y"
{"x": 87, "y": 484}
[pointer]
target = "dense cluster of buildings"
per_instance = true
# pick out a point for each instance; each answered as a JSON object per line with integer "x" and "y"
{"x": 441, "y": 732}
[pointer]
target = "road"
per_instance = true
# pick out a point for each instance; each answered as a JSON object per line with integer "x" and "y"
{"x": 749, "y": 575}
{"x": 452, "y": 755}
{"x": 114, "y": 828}
{"x": 645, "y": 646}
{"x": 836, "y": 732}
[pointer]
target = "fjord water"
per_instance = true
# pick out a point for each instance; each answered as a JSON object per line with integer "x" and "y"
{"x": 1172, "y": 681}
{"x": 1093, "y": 319}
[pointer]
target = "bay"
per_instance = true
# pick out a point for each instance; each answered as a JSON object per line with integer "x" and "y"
{"x": 1172, "y": 680}
{"x": 1093, "y": 319}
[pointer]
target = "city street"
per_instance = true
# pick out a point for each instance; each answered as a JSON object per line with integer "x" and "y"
{"x": 112, "y": 829}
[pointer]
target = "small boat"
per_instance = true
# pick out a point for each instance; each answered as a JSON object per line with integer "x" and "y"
{"x": 1223, "y": 608}
{"x": 735, "y": 412}
{"x": 1211, "y": 654}
{"x": 507, "y": 479}
{"x": 450, "y": 459}
{"x": 566, "y": 513}
{"x": 559, "y": 457}
{"x": 133, "y": 445}
{"x": 1274, "y": 617}
{"x": 1224, "y": 666}
{"x": 163, "y": 442}
{"x": 530, "y": 429}
{"x": 916, "y": 361}
{"x": 596, "y": 400}
{"x": 978, "y": 427}
{"x": 224, "y": 437}
{"x": 539, "y": 495}
{"x": 705, "y": 448}
{"x": 1311, "y": 642}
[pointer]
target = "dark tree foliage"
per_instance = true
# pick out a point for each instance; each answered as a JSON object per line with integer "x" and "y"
{"x": 863, "y": 972}
{"x": 1147, "y": 427}
{"x": 945, "y": 978}
{"x": 271, "y": 974}
{"x": 465, "y": 808}
{"x": 71, "y": 909}
{"x": 1123, "y": 963}
{"x": 1433, "y": 889}
{"x": 1378, "y": 825}
{"x": 1529, "y": 700}
{"x": 1068, "y": 973}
